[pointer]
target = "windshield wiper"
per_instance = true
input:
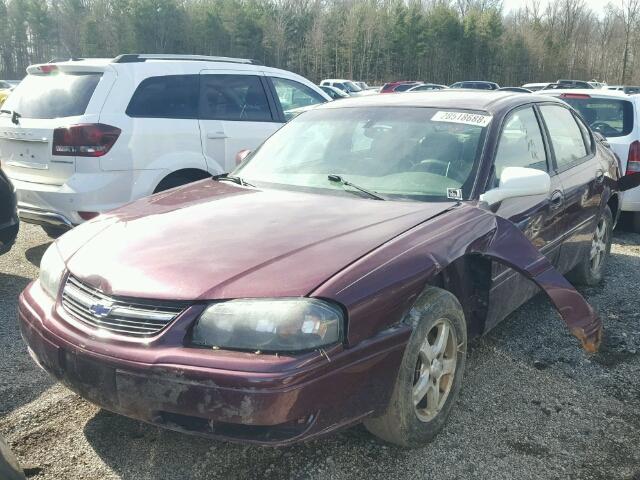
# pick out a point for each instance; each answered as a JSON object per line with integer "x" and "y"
{"x": 339, "y": 179}
{"x": 232, "y": 178}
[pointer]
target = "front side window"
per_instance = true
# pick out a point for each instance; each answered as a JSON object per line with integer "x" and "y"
{"x": 292, "y": 95}
{"x": 352, "y": 87}
{"x": 53, "y": 95}
{"x": 520, "y": 143}
{"x": 233, "y": 97}
{"x": 566, "y": 137}
{"x": 169, "y": 96}
{"x": 399, "y": 152}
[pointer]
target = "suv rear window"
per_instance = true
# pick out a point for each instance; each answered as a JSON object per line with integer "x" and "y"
{"x": 169, "y": 96}
{"x": 53, "y": 96}
{"x": 609, "y": 116}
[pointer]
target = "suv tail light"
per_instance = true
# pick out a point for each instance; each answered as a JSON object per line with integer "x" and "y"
{"x": 633, "y": 161}
{"x": 86, "y": 140}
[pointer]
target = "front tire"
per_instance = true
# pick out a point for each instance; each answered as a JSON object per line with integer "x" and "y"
{"x": 430, "y": 376}
{"x": 590, "y": 271}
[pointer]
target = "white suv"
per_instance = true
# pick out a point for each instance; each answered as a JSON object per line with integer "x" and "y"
{"x": 78, "y": 138}
{"x": 615, "y": 115}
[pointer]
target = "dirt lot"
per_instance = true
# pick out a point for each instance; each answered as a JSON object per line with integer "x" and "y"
{"x": 533, "y": 406}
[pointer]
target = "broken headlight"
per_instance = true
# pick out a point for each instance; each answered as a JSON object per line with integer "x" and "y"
{"x": 269, "y": 325}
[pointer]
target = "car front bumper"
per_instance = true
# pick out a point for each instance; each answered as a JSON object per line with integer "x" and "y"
{"x": 270, "y": 401}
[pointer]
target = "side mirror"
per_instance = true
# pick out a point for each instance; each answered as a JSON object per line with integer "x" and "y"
{"x": 241, "y": 155}
{"x": 518, "y": 182}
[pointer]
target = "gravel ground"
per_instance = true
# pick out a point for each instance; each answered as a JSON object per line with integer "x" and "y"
{"x": 533, "y": 406}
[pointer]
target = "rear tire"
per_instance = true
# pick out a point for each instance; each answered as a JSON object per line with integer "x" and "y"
{"x": 634, "y": 222}
{"x": 54, "y": 232}
{"x": 430, "y": 376}
{"x": 590, "y": 271}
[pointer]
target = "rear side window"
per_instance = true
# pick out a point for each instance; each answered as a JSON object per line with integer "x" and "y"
{"x": 609, "y": 116}
{"x": 404, "y": 87}
{"x": 170, "y": 96}
{"x": 521, "y": 143}
{"x": 566, "y": 136}
{"x": 54, "y": 95}
{"x": 233, "y": 97}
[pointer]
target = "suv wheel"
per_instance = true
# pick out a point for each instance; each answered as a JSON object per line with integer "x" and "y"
{"x": 590, "y": 271}
{"x": 430, "y": 375}
{"x": 54, "y": 232}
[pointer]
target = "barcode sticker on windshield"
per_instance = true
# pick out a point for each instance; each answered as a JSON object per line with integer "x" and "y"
{"x": 462, "y": 117}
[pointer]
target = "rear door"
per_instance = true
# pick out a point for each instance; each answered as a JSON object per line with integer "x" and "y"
{"x": 46, "y": 99}
{"x": 582, "y": 175}
{"x": 236, "y": 112}
{"x": 523, "y": 144}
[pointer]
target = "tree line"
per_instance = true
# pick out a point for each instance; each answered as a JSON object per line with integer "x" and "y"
{"x": 439, "y": 41}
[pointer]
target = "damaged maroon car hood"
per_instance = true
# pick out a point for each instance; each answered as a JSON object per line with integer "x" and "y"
{"x": 219, "y": 240}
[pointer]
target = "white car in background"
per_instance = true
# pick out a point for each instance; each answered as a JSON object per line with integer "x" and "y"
{"x": 78, "y": 138}
{"x": 534, "y": 87}
{"x": 615, "y": 115}
{"x": 427, "y": 87}
{"x": 347, "y": 86}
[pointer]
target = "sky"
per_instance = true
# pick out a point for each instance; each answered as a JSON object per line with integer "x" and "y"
{"x": 595, "y": 5}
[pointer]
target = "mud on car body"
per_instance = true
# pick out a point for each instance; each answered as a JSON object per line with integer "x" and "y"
{"x": 337, "y": 275}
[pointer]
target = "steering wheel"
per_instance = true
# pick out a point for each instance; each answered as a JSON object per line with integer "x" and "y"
{"x": 603, "y": 128}
{"x": 431, "y": 165}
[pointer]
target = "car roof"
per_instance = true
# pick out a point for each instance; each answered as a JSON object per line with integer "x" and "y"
{"x": 489, "y": 101}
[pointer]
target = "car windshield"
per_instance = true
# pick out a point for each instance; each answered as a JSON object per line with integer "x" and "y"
{"x": 609, "y": 116}
{"x": 398, "y": 152}
{"x": 352, "y": 87}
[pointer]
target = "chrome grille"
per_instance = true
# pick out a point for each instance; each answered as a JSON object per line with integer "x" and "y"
{"x": 139, "y": 318}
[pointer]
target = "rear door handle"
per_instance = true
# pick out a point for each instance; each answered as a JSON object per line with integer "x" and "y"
{"x": 216, "y": 135}
{"x": 557, "y": 199}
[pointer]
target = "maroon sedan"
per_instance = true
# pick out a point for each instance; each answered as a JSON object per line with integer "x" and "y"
{"x": 337, "y": 275}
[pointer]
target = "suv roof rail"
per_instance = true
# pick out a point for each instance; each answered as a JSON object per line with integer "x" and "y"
{"x": 137, "y": 57}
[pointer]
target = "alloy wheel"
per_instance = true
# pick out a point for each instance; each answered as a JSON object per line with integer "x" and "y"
{"x": 435, "y": 370}
{"x": 599, "y": 245}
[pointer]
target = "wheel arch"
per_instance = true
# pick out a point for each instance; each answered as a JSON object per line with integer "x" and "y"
{"x": 192, "y": 174}
{"x": 613, "y": 202}
{"x": 468, "y": 278}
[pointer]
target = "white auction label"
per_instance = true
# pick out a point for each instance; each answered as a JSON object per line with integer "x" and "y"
{"x": 462, "y": 117}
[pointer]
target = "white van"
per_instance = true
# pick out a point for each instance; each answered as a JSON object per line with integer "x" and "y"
{"x": 78, "y": 138}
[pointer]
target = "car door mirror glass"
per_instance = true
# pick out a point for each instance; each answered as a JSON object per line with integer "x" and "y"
{"x": 518, "y": 182}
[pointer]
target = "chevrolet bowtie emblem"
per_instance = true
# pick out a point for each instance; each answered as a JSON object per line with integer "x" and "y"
{"x": 101, "y": 310}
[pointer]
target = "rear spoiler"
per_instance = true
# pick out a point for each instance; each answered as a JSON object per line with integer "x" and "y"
{"x": 51, "y": 68}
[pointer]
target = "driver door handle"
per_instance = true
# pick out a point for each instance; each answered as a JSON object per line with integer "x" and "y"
{"x": 557, "y": 199}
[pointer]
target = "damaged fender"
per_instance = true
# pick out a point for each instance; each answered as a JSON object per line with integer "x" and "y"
{"x": 379, "y": 298}
{"x": 510, "y": 247}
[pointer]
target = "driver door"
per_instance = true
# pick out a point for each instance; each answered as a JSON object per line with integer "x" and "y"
{"x": 522, "y": 144}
